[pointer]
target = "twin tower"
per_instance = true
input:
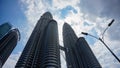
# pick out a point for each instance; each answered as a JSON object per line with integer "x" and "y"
{"x": 43, "y": 50}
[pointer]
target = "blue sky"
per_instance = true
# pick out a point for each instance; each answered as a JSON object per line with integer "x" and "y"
{"x": 83, "y": 15}
{"x": 66, "y": 10}
{"x": 11, "y": 12}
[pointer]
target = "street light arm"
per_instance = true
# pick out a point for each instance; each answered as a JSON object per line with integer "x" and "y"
{"x": 104, "y": 33}
{"x": 107, "y": 28}
{"x": 84, "y": 33}
{"x": 93, "y": 36}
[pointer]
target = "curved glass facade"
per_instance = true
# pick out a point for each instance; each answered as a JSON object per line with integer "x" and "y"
{"x": 42, "y": 50}
{"x": 7, "y": 44}
{"x": 78, "y": 52}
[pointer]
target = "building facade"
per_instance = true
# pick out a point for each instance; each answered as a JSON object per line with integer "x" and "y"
{"x": 69, "y": 40}
{"x": 87, "y": 58}
{"x": 8, "y": 41}
{"x": 42, "y": 48}
{"x": 78, "y": 52}
{"x": 4, "y": 28}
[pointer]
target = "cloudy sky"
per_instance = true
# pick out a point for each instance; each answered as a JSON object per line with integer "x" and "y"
{"x": 90, "y": 16}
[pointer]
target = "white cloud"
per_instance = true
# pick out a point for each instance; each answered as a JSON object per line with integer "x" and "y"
{"x": 11, "y": 61}
{"x": 101, "y": 8}
{"x": 60, "y": 4}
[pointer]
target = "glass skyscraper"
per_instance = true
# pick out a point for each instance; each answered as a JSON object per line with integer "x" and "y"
{"x": 8, "y": 40}
{"x": 78, "y": 52}
{"x": 4, "y": 28}
{"x": 42, "y": 48}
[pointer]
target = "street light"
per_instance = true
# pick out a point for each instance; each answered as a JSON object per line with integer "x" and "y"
{"x": 101, "y": 39}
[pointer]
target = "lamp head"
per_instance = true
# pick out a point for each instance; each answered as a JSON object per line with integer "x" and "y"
{"x": 111, "y": 22}
{"x": 84, "y": 33}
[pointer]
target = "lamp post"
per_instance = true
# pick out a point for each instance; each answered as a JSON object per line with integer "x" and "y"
{"x": 101, "y": 39}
